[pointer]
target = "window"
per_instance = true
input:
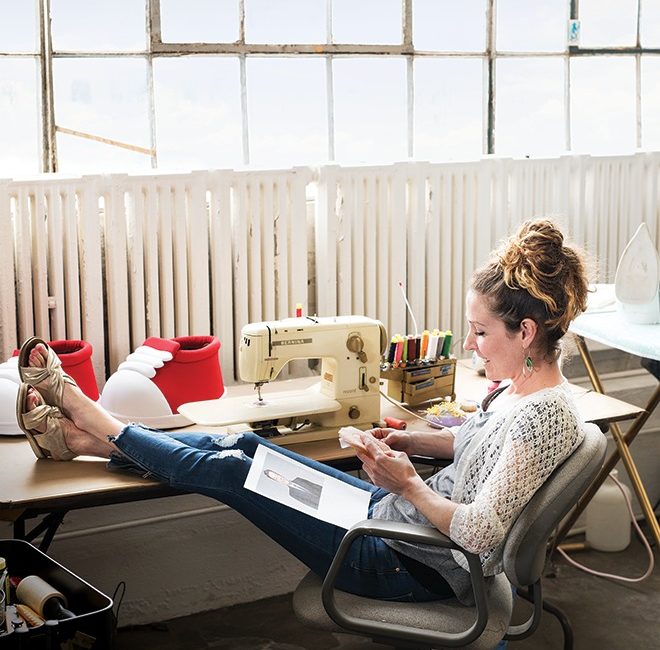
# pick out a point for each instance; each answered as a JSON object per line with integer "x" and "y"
{"x": 448, "y": 108}
{"x": 137, "y": 84}
{"x": 106, "y": 98}
{"x": 603, "y": 120}
{"x": 530, "y": 115}
{"x": 198, "y": 111}
{"x": 19, "y": 117}
{"x": 370, "y": 118}
{"x": 286, "y": 110}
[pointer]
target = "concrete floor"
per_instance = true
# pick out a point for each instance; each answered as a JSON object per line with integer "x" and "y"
{"x": 605, "y": 614}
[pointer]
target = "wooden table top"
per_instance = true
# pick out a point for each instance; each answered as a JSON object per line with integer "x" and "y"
{"x": 26, "y": 482}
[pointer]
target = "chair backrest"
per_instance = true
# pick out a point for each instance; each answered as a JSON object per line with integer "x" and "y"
{"x": 526, "y": 546}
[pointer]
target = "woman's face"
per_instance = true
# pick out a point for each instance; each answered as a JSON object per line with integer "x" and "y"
{"x": 500, "y": 350}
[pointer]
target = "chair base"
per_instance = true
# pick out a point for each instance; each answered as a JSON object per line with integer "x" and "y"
{"x": 445, "y": 615}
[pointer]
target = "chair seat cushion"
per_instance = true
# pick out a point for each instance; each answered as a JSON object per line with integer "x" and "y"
{"x": 440, "y": 615}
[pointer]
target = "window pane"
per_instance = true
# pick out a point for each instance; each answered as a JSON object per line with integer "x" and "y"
{"x": 370, "y": 115}
{"x": 650, "y": 23}
{"x": 286, "y": 21}
{"x": 198, "y": 112}
{"x": 608, "y": 22}
{"x": 18, "y": 26}
{"x": 79, "y": 156}
{"x": 287, "y": 111}
{"x": 106, "y": 98}
{"x": 367, "y": 21}
{"x": 449, "y": 25}
{"x": 98, "y": 26}
{"x": 650, "y": 103}
{"x": 19, "y": 117}
{"x": 448, "y": 109}
{"x": 532, "y": 26}
{"x": 603, "y": 105}
{"x": 529, "y": 119}
{"x": 199, "y": 21}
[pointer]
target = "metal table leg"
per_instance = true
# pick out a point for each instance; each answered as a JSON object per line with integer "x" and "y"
{"x": 622, "y": 451}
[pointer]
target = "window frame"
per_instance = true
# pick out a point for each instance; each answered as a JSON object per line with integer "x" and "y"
{"x": 155, "y": 48}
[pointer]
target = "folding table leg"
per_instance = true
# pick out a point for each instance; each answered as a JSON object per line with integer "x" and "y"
{"x": 622, "y": 451}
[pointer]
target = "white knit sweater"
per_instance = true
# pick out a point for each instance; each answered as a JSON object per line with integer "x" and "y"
{"x": 505, "y": 464}
{"x": 501, "y": 458}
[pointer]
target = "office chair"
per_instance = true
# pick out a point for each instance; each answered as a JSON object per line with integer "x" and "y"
{"x": 447, "y": 623}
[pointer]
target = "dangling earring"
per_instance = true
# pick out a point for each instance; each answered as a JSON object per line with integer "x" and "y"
{"x": 528, "y": 365}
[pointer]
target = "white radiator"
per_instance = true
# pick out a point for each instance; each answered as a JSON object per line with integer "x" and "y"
{"x": 114, "y": 259}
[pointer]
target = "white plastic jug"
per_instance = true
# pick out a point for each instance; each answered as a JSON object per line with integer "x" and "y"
{"x": 608, "y": 519}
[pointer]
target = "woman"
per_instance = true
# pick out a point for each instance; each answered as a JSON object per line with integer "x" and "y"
{"x": 518, "y": 308}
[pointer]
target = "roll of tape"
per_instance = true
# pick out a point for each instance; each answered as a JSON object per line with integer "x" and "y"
{"x": 35, "y": 592}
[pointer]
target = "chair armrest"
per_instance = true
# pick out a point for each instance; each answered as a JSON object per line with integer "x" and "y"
{"x": 418, "y": 535}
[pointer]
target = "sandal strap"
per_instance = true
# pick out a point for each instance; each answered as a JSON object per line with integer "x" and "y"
{"x": 51, "y": 372}
{"x": 52, "y": 441}
{"x": 40, "y": 414}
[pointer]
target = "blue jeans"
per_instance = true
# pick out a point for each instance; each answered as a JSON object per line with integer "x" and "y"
{"x": 216, "y": 465}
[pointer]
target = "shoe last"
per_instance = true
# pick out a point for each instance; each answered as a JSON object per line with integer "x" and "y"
{"x": 162, "y": 374}
{"x": 8, "y": 393}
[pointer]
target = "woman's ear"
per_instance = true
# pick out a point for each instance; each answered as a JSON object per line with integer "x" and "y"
{"x": 528, "y": 329}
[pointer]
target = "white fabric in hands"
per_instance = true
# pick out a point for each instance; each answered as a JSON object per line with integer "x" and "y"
{"x": 351, "y": 437}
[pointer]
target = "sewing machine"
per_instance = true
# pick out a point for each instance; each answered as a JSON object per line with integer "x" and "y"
{"x": 348, "y": 390}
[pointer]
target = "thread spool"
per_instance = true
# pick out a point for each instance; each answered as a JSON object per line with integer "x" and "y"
{"x": 37, "y": 594}
{"x": 394, "y": 423}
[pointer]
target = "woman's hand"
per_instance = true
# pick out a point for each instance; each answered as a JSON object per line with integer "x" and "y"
{"x": 393, "y": 438}
{"x": 386, "y": 467}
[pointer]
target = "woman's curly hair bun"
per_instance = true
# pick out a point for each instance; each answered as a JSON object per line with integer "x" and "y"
{"x": 536, "y": 274}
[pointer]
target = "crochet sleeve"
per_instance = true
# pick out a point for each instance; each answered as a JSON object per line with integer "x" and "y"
{"x": 540, "y": 436}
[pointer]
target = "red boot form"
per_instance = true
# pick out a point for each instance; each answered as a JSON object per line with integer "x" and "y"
{"x": 161, "y": 375}
{"x": 76, "y": 358}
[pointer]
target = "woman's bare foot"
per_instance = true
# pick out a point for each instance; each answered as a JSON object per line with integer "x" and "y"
{"x": 78, "y": 441}
{"x": 85, "y": 414}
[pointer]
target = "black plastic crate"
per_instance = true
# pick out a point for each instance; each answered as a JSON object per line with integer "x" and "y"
{"x": 93, "y": 626}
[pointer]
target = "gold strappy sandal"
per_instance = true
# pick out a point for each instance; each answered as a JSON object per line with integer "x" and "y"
{"x": 51, "y": 443}
{"x": 52, "y": 373}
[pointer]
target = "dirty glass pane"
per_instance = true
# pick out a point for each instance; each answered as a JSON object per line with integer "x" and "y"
{"x": 603, "y": 105}
{"x": 367, "y": 21}
{"x": 287, "y": 111}
{"x": 449, "y": 26}
{"x": 199, "y": 21}
{"x": 448, "y": 109}
{"x": 530, "y": 116}
{"x": 650, "y": 103}
{"x": 370, "y": 109}
{"x": 19, "y": 117}
{"x": 608, "y": 22}
{"x": 106, "y": 98}
{"x": 285, "y": 21}
{"x": 198, "y": 112}
{"x": 18, "y": 26}
{"x": 531, "y": 26}
{"x": 80, "y": 25}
